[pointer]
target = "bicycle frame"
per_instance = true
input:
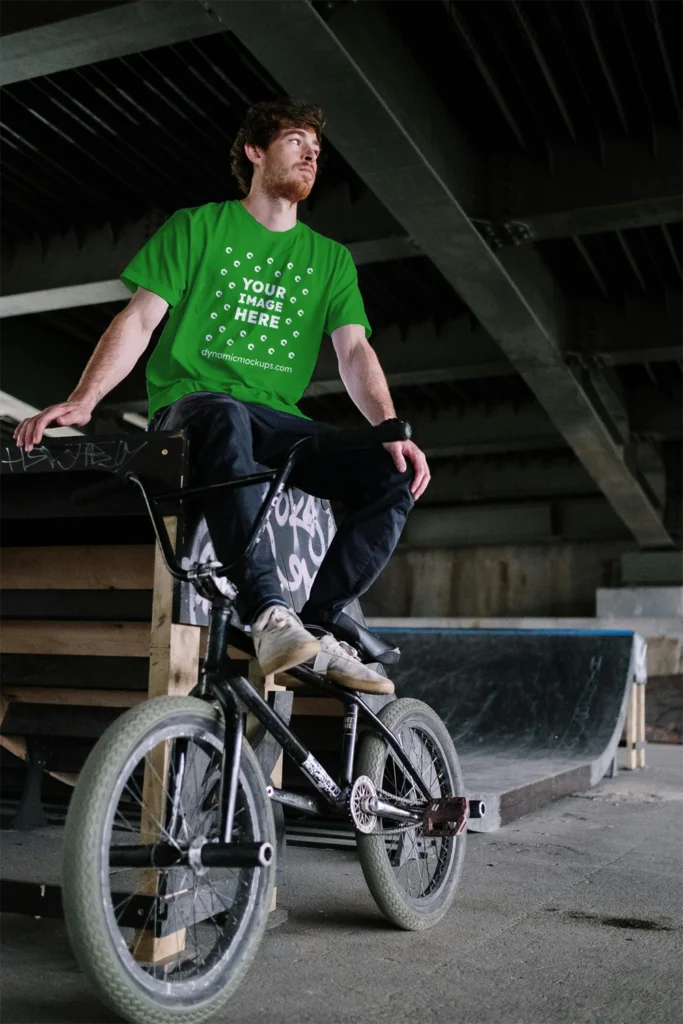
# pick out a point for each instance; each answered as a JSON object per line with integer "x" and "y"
{"x": 219, "y": 680}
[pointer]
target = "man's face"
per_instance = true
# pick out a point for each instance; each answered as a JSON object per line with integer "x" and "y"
{"x": 290, "y": 164}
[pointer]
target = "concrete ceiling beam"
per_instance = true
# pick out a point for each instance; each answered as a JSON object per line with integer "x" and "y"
{"x": 409, "y": 152}
{"x": 102, "y": 35}
{"x": 628, "y": 185}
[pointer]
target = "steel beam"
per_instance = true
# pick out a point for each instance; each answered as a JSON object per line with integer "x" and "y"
{"x": 642, "y": 332}
{"x": 388, "y": 123}
{"x": 73, "y": 273}
{"x": 422, "y": 354}
{"x": 530, "y": 522}
{"x": 527, "y": 476}
{"x": 475, "y": 430}
{"x": 88, "y": 38}
{"x": 12, "y": 408}
{"x": 629, "y": 187}
{"x": 40, "y": 365}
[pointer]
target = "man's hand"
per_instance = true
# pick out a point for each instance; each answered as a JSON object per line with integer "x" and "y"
{"x": 402, "y": 450}
{"x": 66, "y": 414}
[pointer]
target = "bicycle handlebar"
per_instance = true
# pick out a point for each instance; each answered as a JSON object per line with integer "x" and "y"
{"x": 334, "y": 441}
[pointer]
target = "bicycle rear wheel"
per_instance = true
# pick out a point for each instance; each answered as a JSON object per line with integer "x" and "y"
{"x": 412, "y": 877}
{"x": 163, "y": 945}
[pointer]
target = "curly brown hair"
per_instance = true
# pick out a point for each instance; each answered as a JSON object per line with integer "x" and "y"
{"x": 262, "y": 124}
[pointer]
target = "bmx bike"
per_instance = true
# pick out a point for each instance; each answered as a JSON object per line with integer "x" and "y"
{"x": 169, "y": 866}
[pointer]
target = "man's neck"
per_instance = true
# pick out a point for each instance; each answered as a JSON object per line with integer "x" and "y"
{"x": 274, "y": 214}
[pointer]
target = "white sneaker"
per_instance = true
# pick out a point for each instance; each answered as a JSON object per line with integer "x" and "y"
{"x": 280, "y": 641}
{"x": 341, "y": 662}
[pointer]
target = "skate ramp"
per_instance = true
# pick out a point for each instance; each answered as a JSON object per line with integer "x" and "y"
{"x": 534, "y": 714}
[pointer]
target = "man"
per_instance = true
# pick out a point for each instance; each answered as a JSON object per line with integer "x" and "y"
{"x": 251, "y": 291}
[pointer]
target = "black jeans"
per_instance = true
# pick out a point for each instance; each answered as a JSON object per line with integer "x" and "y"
{"x": 229, "y": 438}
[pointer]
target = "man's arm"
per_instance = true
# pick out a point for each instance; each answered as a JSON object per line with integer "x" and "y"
{"x": 117, "y": 352}
{"x": 364, "y": 379}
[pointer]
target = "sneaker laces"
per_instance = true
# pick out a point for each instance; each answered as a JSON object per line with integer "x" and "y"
{"x": 330, "y": 645}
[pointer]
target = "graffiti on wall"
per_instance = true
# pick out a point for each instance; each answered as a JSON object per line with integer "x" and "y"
{"x": 299, "y": 533}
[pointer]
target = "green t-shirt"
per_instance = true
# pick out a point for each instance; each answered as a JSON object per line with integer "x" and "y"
{"x": 249, "y": 306}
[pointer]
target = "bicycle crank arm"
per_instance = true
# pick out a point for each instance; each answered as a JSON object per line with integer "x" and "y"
{"x": 199, "y": 856}
{"x": 385, "y": 810}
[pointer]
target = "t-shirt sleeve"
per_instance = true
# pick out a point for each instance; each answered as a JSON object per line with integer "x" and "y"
{"x": 346, "y": 303}
{"x": 163, "y": 264}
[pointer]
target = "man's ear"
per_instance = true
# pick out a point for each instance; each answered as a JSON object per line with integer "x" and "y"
{"x": 253, "y": 153}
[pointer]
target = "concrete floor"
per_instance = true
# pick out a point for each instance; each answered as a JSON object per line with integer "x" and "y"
{"x": 572, "y": 915}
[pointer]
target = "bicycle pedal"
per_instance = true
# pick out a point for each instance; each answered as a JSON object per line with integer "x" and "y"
{"x": 446, "y": 817}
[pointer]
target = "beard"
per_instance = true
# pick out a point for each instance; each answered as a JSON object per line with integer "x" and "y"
{"x": 292, "y": 187}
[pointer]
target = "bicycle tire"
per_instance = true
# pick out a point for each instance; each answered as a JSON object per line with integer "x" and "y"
{"x": 88, "y": 909}
{"x": 403, "y": 908}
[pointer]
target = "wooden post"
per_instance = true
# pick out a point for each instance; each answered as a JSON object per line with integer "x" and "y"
{"x": 631, "y": 727}
{"x": 173, "y": 670}
{"x": 640, "y": 730}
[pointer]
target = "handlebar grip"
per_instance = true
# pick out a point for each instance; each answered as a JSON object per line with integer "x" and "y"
{"x": 363, "y": 437}
{"x": 113, "y": 484}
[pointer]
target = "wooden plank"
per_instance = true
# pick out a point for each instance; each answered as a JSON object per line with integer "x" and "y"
{"x": 77, "y": 605}
{"x": 327, "y": 707}
{"x": 86, "y": 567}
{"x": 58, "y": 720}
{"x": 80, "y": 698}
{"x": 87, "y": 672}
{"x": 106, "y": 639}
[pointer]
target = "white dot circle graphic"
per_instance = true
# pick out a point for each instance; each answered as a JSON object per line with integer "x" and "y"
{"x": 226, "y": 305}
{"x": 228, "y": 249}
{"x": 243, "y": 334}
{"x": 231, "y": 285}
{"x": 309, "y": 270}
{"x": 290, "y": 266}
{"x": 301, "y": 312}
{"x": 278, "y": 273}
{"x": 218, "y": 294}
{"x": 224, "y": 271}
{"x": 214, "y": 316}
{"x": 296, "y": 334}
{"x": 291, "y": 355}
{"x": 250, "y": 347}
{"x": 257, "y": 269}
{"x": 269, "y": 260}
{"x": 221, "y": 329}
{"x": 250, "y": 255}
{"x": 288, "y": 320}
{"x": 304, "y": 291}
{"x": 293, "y": 298}
{"x": 237, "y": 263}
{"x": 284, "y": 341}
{"x": 264, "y": 337}
{"x": 229, "y": 341}
{"x": 297, "y": 278}
{"x": 208, "y": 337}
{"x": 271, "y": 351}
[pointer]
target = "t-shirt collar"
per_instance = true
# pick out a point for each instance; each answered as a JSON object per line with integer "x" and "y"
{"x": 258, "y": 226}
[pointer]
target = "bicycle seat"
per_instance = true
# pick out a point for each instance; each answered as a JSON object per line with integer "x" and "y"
{"x": 370, "y": 646}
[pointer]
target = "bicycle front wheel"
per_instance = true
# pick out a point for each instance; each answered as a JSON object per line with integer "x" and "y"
{"x": 163, "y": 945}
{"x": 412, "y": 877}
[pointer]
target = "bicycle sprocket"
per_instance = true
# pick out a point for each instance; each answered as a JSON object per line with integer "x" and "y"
{"x": 362, "y": 792}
